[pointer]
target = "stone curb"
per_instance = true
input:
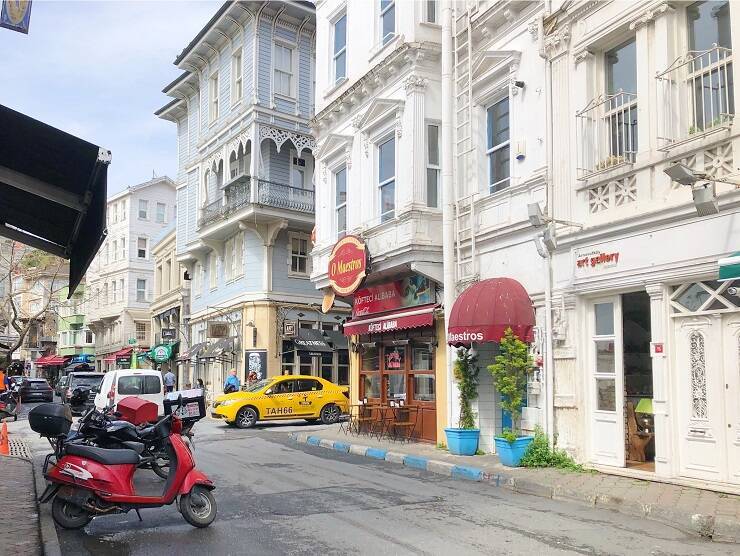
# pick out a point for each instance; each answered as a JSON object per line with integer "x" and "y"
{"x": 718, "y": 528}
{"x": 49, "y": 538}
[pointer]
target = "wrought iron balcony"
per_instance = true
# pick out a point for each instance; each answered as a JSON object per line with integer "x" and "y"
{"x": 607, "y": 132}
{"x": 697, "y": 94}
{"x": 238, "y": 193}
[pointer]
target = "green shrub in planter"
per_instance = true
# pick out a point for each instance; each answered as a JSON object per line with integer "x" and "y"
{"x": 463, "y": 440}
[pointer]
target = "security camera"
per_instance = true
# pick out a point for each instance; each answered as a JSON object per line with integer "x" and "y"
{"x": 705, "y": 198}
{"x": 536, "y": 218}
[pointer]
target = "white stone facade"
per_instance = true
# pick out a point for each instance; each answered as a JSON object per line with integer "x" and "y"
{"x": 120, "y": 280}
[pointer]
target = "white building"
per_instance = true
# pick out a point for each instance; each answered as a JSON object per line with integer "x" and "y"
{"x": 170, "y": 307}
{"x": 640, "y": 317}
{"x": 377, "y": 126}
{"x": 120, "y": 280}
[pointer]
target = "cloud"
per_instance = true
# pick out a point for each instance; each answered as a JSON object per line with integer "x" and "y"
{"x": 96, "y": 70}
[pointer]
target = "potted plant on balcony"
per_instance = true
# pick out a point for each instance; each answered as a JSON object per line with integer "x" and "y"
{"x": 463, "y": 440}
{"x": 509, "y": 372}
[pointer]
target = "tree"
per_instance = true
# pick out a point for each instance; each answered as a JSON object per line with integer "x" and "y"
{"x": 466, "y": 374}
{"x": 509, "y": 372}
{"x": 30, "y": 281}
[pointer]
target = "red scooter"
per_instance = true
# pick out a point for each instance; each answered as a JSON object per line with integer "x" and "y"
{"x": 86, "y": 481}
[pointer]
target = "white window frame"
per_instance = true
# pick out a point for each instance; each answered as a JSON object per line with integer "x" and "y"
{"x": 115, "y": 250}
{"x": 121, "y": 289}
{"x": 114, "y": 290}
{"x": 146, "y": 248}
{"x": 385, "y": 39}
{"x": 164, "y": 213}
{"x": 425, "y": 8}
{"x": 430, "y": 166}
{"x": 291, "y": 255}
{"x": 292, "y": 73}
{"x": 386, "y": 182}
{"x": 139, "y": 290}
{"x": 338, "y": 206}
{"x": 143, "y": 207}
{"x": 237, "y": 76}
{"x": 293, "y": 157}
{"x": 123, "y": 210}
{"x": 497, "y": 147}
{"x": 213, "y": 100}
{"x": 336, "y": 54}
{"x": 123, "y": 248}
{"x": 198, "y": 279}
{"x": 239, "y": 259}
{"x": 141, "y": 335}
{"x": 212, "y": 271}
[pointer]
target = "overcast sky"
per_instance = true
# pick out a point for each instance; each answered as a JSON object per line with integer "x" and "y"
{"x": 97, "y": 69}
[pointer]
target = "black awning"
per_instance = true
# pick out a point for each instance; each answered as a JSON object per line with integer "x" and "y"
{"x": 193, "y": 352}
{"x": 311, "y": 340}
{"x": 53, "y": 187}
{"x": 336, "y": 339}
{"x": 218, "y": 349}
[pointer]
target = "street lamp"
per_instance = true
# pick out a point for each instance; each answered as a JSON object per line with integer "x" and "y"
{"x": 703, "y": 189}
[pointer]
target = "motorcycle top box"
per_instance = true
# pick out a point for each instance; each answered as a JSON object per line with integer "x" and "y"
{"x": 137, "y": 411}
{"x": 50, "y": 419}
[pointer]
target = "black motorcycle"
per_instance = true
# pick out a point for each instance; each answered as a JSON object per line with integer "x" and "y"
{"x": 80, "y": 400}
{"x": 102, "y": 429}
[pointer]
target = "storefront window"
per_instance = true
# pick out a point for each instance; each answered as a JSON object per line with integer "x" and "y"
{"x": 327, "y": 366}
{"x": 396, "y": 385}
{"x": 606, "y": 394}
{"x": 604, "y": 319}
{"x": 605, "y": 356}
{"x": 424, "y": 388}
{"x": 370, "y": 359}
{"x": 372, "y": 386}
{"x": 395, "y": 357}
{"x": 305, "y": 363}
{"x": 288, "y": 357}
{"x": 422, "y": 358}
{"x": 343, "y": 367}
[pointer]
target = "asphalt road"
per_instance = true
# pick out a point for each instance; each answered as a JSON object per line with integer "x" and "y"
{"x": 278, "y": 497}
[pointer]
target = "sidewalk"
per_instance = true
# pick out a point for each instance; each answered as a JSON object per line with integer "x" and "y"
{"x": 20, "y": 519}
{"x": 708, "y": 514}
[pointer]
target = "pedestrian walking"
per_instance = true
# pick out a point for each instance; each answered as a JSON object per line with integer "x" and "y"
{"x": 169, "y": 381}
{"x": 232, "y": 383}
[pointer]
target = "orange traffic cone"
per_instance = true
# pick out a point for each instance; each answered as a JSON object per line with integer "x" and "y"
{"x": 4, "y": 444}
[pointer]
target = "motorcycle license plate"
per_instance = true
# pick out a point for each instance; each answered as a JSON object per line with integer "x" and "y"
{"x": 189, "y": 410}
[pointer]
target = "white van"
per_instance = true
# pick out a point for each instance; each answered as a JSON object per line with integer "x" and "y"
{"x": 121, "y": 383}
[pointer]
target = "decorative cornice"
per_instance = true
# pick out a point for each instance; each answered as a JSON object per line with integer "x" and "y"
{"x": 583, "y": 55}
{"x": 534, "y": 29}
{"x": 650, "y": 15}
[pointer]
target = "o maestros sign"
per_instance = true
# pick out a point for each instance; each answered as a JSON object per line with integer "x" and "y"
{"x": 347, "y": 265}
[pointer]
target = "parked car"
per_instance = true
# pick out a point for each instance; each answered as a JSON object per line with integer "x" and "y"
{"x": 36, "y": 389}
{"x": 88, "y": 380}
{"x": 59, "y": 388}
{"x": 121, "y": 383}
{"x": 288, "y": 397}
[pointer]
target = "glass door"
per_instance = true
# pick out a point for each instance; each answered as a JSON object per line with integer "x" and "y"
{"x": 607, "y": 382}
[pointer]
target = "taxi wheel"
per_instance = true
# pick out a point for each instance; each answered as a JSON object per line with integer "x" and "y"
{"x": 330, "y": 414}
{"x": 246, "y": 417}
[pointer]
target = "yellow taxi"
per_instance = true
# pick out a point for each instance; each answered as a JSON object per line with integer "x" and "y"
{"x": 286, "y": 397}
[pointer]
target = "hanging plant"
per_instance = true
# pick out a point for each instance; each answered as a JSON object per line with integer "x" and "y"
{"x": 466, "y": 373}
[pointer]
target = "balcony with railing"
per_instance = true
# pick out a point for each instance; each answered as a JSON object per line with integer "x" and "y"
{"x": 238, "y": 194}
{"x": 697, "y": 95}
{"x": 607, "y": 133}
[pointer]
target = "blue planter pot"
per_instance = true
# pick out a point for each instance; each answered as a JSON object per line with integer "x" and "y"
{"x": 511, "y": 453}
{"x": 462, "y": 442}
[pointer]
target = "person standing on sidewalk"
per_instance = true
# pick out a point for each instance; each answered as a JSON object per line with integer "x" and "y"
{"x": 169, "y": 381}
{"x": 232, "y": 383}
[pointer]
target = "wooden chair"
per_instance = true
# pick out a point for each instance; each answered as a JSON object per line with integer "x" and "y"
{"x": 364, "y": 419}
{"x": 404, "y": 420}
{"x": 637, "y": 439}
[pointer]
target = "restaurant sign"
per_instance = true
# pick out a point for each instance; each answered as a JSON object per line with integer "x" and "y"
{"x": 347, "y": 265}
{"x": 407, "y": 292}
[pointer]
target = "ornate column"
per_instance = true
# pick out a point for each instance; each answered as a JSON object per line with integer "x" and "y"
{"x": 254, "y": 161}
{"x": 665, "y": 461}
{"x": 415, "y": 86}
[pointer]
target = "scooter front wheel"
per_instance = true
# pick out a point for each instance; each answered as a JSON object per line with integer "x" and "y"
{"x": 69, "y": 516}
{"x": 198, "y": 507}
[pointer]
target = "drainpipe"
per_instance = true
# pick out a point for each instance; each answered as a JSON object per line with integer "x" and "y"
{"x": 448, "y": 207}
{"x": 549, "y": 373}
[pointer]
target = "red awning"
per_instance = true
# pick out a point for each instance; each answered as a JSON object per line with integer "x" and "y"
{"x": 51, "y": 360}
{"x": 413, "y": 317}
{"x": 111, "y": 358}
{"x": 486, "y": 309}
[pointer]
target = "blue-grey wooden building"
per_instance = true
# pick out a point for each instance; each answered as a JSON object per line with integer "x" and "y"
{"x": 245, "y": 193}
